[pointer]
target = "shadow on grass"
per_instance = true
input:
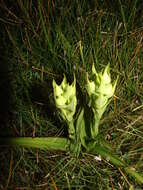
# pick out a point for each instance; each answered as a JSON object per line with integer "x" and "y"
{"x": 6, "y": 103}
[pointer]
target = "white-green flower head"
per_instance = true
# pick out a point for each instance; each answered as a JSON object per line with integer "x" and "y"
{"x": 100, "y": 89}
{"x": 65, "y": 98}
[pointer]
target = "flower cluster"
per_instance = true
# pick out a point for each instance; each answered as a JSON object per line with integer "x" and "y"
{"x": 100, "y": 90}
{"x": 65, "y": 98}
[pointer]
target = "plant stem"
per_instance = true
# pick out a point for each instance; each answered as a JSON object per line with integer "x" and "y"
{"x": 50, "y": 143}
{"x": 94, "y": 128}
{"x": 71, "y": 130}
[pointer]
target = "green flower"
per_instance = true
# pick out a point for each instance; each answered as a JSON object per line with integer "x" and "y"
{"x": 100, "y": 90}
{"x": 65, "y": 98}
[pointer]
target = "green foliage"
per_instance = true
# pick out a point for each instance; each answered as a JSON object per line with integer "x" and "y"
{"x": 106, "y": 31}
{"x": 100, "y": 91}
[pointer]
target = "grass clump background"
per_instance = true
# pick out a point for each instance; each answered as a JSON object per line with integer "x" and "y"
{"x": 41, "y": 40}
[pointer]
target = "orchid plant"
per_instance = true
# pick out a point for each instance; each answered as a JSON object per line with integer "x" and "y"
{"x": 83, "y": 135}
{"x": 66, "y": 101}
{"x": 100, "y": 91}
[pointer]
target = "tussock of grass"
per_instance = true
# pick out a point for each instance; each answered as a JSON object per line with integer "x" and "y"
{"x": 45, "y": 39}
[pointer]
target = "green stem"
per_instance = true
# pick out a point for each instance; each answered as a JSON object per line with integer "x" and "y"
{"x": 98, "y": 149}
{"x": 94, "y": 130}
{"x": 71, "y": 130}
{"x": 94, "y": 127}
{"x": 50, "y": 143}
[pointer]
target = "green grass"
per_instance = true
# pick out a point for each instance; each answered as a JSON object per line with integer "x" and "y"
{"x": 43, "y": 41}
